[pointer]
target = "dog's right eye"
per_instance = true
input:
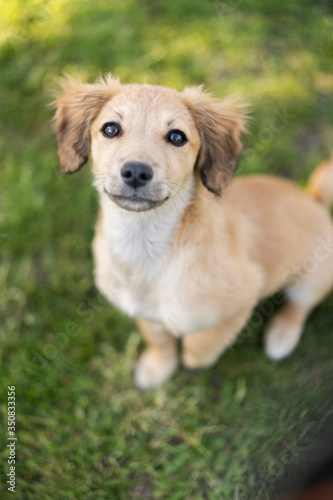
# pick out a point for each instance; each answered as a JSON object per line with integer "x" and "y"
{"x": 110, "y": 130}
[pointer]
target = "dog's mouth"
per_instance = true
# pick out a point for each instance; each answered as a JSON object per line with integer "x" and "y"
{"x": 135, "y": 203}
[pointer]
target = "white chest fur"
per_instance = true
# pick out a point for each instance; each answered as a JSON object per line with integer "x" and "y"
{"x": 135, "y": 272}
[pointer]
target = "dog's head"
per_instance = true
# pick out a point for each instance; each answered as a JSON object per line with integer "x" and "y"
{"x": 148, "y": 143}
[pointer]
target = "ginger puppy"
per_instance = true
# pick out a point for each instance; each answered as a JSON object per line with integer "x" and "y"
{"x": 175, "y": 247}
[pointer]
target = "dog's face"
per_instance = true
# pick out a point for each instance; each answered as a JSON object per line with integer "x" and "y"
{"x": 144, "y": 144}
{"x": 148, "y": 143}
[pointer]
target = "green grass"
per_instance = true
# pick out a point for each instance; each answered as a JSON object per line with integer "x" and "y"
{"x": 83, "y": 430}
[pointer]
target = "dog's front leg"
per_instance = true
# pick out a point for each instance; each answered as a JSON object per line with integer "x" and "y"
{"x": 159, "y": 360}
{"x": 203, "y": 348}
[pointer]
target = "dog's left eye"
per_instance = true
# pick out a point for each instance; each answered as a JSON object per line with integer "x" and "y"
{"x": 111, "y": 130}
{"x": 176, "y": 138}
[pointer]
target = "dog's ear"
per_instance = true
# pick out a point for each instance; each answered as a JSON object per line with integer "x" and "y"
{"x": 77, "y": 105}
{"x": 220, "y": 125}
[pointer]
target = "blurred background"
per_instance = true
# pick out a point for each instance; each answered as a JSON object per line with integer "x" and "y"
{"x": 84, "y": 431}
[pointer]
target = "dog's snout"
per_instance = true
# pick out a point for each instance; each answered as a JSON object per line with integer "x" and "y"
{"x": 136, "y": 174}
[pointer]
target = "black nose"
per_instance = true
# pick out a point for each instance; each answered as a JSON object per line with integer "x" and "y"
{"x": 136, "y": 174}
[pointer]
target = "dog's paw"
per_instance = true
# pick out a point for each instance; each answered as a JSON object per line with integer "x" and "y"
{"x": 281, "y": 339}
{"x": 154, "y": 367}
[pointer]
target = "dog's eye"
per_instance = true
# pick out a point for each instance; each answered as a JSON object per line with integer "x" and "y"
{"x": 111, "y": 130}
{"x": 176, "y": 138}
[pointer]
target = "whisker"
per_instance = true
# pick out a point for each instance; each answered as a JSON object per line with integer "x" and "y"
{"x": 173, "y": 199}
{"x": 186, "y": 204}
{"x": 99, "y": 184}
{"x": 175, "y": 186}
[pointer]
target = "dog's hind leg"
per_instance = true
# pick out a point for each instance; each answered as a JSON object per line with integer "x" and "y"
{"x": 287, "y": 326}
{"x": 285, "y": 330}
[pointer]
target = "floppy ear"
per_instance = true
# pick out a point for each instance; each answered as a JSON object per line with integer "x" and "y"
{"x": 220, "y": 125}
{"x": 77, "y": 105}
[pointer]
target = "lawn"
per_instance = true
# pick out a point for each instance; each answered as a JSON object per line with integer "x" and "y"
{"x": 83, "y": 430}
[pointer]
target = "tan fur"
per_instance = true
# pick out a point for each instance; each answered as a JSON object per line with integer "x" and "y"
{"x": 321, "y": 183}
{"x": 77, "y": 105}
{"x": 183, "y": 260}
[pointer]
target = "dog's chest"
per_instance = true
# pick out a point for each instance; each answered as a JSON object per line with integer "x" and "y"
{"x": 143, "y": 300}
{"x": 149, "y": 290}
{"x": 160, "y": 291}
{"x": 139, "y": 271}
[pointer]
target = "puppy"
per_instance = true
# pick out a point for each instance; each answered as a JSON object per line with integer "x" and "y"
{"x": 179, "y": 248}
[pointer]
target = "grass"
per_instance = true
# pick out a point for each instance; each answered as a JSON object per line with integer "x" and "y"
{"x": 84, "y": 431}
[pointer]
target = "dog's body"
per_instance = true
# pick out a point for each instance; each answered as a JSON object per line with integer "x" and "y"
{"x": 168, "y": 250}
